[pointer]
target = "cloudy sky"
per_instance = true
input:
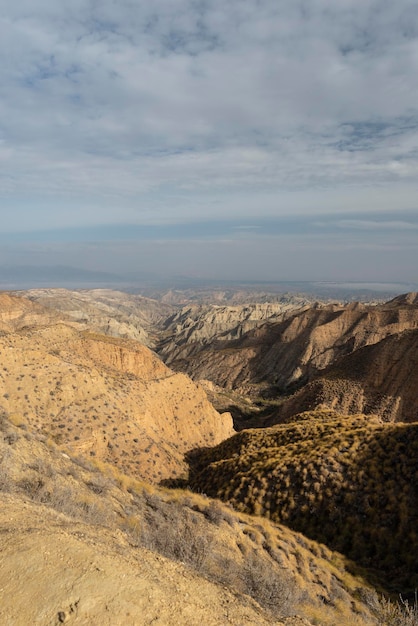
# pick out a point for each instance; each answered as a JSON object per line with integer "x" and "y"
{"x": 249, "y": 139}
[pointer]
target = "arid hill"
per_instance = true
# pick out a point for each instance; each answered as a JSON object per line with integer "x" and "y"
{"x": 86, "y": 544}
{"x": 17, "y": 313}
{"x": 84, "y": 415}
{"x": 56, "y": 570}
{"x": 108, "y": 398}
{"x": 268, "y": 349}
{"x": 186, "y": 332}
{"x": 173, "y": 329}
{"x": 106, "y": 311}
{"x": 232, "y": 295}
{"x": 347, "y": 481}
{"x": 276, "y": 356}
{"x": 380, "y": 379}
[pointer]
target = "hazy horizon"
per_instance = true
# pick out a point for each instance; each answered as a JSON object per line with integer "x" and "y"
{"x": 252, "y": 140}
{"x": 22, "y": 278}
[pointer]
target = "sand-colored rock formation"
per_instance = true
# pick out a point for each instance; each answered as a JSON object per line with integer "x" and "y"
{"x": 17, "y": 313}
{"x": 379, "y": 379}
{"x": 83, "y": 415}
{"x": 194, "y": 326}
{"x": 279, "y": 355}
{"x": 107, "y": 398}
{"x": 107, "y": 311}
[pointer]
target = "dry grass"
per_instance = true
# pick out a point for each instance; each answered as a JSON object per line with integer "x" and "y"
{"x": 392, "y": 613}
{"x": 348, "y": 482}
{"x": 281, "y": 570}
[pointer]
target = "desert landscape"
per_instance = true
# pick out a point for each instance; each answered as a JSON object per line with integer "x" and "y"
{"x": 209, "y": 313}
{"x": 220, "y": 463}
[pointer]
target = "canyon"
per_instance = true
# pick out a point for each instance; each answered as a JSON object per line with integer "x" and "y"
{"x": 118, "y": 443}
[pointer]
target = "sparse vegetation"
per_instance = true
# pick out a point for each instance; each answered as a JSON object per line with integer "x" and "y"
{"x": 345, "y": 481}
{"x": 249, "y": 555}
{"x": 391, "y": 613}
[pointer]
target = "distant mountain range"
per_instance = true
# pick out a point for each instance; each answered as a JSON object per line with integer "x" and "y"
{"x": 26, "y": 276}
{"x": 187, "y": 288}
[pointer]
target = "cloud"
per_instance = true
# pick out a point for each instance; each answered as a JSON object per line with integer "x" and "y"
{"x": 181, "y": 111}
{"x": 377, "y": 225}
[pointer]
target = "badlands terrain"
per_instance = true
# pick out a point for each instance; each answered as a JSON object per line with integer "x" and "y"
{"x": 128, "y": 498}
{"x": 99, "y": 396}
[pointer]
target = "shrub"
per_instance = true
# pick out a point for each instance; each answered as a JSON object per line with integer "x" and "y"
{"x": 389, "y": 613}
{"x": 175, "y": 534}
{"x": 274, "y": 589}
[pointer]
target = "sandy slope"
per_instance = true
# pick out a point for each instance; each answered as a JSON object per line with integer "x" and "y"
{"x": 108, "y": 398}
{"x": 56, "y": 571}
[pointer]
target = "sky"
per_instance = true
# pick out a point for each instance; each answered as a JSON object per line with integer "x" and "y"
{"x": 239, "y": 140}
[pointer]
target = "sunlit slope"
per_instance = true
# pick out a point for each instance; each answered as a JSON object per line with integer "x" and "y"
{"x": 276, "y": 356}
{"x": 84, "y": 543}
{"x": 107, "y": 311}
{"x": 105, "y": 398}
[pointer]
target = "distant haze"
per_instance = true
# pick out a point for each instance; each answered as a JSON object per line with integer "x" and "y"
{"x": 196, "y": 289}
{"x": 249, "y": 140}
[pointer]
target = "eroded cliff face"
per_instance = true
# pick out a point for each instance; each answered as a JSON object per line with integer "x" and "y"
{"x": 107, "y": 311}
{"x": 293, "y": 351}
{"x": 17, "y": 313}
{"x": 380, "y": 379}
{"x": 199, "y": 325}
{"x": 106, "y": 398}
{"x": 197, "y": 339}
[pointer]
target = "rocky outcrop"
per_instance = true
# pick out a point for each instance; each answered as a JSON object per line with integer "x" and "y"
{"x": 404, "y": 299}
{"x": 193, "y": 329}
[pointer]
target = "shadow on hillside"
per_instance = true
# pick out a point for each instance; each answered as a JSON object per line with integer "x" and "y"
{"x": 358, "y": 494}
{"x": 265, "y": 410}
{"x": 385, "y": 507}
{"x": 244, "y": 418}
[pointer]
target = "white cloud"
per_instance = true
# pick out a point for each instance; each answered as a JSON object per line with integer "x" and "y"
{"x": 182, "y": 110}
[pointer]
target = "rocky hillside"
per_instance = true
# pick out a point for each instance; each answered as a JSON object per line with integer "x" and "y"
{"x": 347, "y": 481}
{"x": 17, "y": 313}
{"x": 186, "y": 332}
{"x": 177, "y": 331}
{"x": 380, "y": 379}
{"x": 276, "y": 356}
{"x": 235, "y": 295}
{"x": 345, "y": 357}
{"x": 102, "y": 397}
{"x": 113, "y": 313}
{"x": 84, "y": 415}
